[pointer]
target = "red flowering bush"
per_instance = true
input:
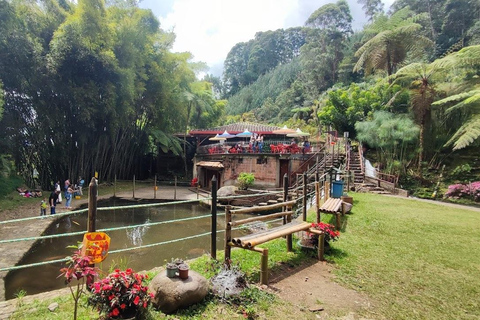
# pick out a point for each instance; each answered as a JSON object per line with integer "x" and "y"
{"x": 120, "y": 294}
{"x": 328, "y": 230}
{"x": 471, "y": 190}
{"x": 78, "y": 268}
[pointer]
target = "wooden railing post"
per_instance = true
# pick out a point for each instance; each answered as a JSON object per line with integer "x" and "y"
{"x": 304, "y": 202}
{"x": 228, "y": 235}
{"x": 264, "y": 267}
{"x": 92, "y": 214}
{"x": 213, "y": 242}
{"x": 317, "y": 199}
{"x": 133, "y": 196}
{"x": 155, "y": 188}
{"x": 175, "y": 190}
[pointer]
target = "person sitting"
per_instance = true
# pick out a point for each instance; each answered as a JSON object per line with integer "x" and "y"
{"x": 306, "y": 147}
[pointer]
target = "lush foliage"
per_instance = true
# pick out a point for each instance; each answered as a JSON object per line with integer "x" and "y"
{"x": 245, "y": 180}
{"x": 469, "y": 191}
{"x": 99, "y": 89}
{"x": 78, "y": 268}
{"x": 121, "y": 293}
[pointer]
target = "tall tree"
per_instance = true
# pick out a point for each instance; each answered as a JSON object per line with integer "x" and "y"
{"x": 421, "y": 81}
{"x": 371, "y": 8}
{"x": 321, "y": 56}
{"x": 389, "y": 41}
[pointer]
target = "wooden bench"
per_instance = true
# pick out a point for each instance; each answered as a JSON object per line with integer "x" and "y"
{"x": 250, "y": 241}
{"x": 336, "y": 206}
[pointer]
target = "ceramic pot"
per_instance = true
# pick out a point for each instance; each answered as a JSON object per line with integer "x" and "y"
{"x": 183, "y": 271}
{"x": 172, "y": 270}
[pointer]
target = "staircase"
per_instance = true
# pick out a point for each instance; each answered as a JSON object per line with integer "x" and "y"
{"x": 356, "y": 166}
{"x": 370, "y": 188}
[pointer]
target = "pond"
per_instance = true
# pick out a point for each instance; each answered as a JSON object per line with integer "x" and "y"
{"x": 45, "y": 278}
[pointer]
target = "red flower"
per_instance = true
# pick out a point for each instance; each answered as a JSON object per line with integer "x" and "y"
{"x": 123, "y": 306}
{"x": 115, "y": 312}
{"x": 137, "y": 300}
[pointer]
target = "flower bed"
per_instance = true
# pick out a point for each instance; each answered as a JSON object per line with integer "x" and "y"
{"x": 469, "y": 191}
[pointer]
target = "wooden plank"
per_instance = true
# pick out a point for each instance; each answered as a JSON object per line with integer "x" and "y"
{"x": 263, "y": 208}
{"x": 277, "y": 234}
{"x": 261, "y": 218}
{"x": 239, "y": 240}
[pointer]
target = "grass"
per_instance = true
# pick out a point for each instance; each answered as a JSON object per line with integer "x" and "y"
{"x": 414, "y": 260}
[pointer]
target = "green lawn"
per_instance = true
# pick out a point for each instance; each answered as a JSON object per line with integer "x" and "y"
{"x": 414, "y": 260}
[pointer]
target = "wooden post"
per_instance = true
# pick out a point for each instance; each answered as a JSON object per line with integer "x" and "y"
{"x": 338, "y": 220}
{"x": 115, "y": 185}
{"x": 133, "y": 186}
{"x": 317, "y": 198}
{"x": 285, "y": 194}
{"x": 213, "y": 241}
{"x": 175, "y": 190}
{"x": 327, "y": 190}
{"x": 198, "y": 189}
{"x": 155, "y": 188}
{"x": 304, "y": 202}
{"x": 321, "y": 247}
{"x": 92, "y": 204}
{"x": 289, "y": 236}
{"x": 228, "y": 235}
{"x": 92, "y": 214}
{"x": 264, "y": 268}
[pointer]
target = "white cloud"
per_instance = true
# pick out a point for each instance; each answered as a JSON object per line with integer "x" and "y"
{"x": 210, "y": 28}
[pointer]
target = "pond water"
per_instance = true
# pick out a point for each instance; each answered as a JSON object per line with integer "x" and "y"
{"x": 45, "y": 278}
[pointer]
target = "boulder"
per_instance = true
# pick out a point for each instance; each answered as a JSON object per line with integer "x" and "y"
{"x": 226, "y": 191}
{"x": 171, "y": 294}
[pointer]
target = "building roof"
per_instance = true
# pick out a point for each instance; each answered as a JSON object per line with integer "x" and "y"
{"x": 210, "y": 164}
{"x": 235, "y": 128}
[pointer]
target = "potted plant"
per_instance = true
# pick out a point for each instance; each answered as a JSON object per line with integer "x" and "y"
{"x": 311, "y": 239}
{"x": 183, "y": 271}
{"x": 172, "y": 269}
{"x": 245, "y": 180}
{"x": 120, "y": 295}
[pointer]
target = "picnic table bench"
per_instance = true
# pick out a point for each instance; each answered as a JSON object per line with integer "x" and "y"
{"x": 251, "y": 241}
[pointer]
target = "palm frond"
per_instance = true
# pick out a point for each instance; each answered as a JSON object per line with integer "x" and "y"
{"x": 466, "y": 135}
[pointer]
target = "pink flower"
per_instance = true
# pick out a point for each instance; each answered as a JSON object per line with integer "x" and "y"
{"x": 137, "y": 300}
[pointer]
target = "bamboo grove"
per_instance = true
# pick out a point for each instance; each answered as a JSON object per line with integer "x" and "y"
{"x": 88, "y": 87}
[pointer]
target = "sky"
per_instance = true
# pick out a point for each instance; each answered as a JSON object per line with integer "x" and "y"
{"x": 210, "y": 28}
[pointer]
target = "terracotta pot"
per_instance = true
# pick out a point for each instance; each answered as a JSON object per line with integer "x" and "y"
{"x": 183, "y": 271}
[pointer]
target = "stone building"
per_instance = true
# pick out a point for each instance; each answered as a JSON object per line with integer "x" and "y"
{"x": 226, "y": 158}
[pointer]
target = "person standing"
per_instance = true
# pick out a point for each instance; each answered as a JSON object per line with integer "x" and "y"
{"x": 43, "y": 207}
{"x": 52, "y": 200}
{"x": 57, "y": 188}
{"x": 81, "y": 182}
{"x": 68, "y": 197}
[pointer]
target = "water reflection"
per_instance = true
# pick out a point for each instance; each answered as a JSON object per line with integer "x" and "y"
{"x": 44, "y": 278}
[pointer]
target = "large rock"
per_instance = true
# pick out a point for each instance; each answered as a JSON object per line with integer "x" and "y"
{"x": 172, "y": 294}
{"x": 226, "y": 191}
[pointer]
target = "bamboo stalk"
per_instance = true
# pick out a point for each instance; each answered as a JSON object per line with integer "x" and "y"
{"x": 261, "y": 218}
{"x": 264, "y": 267}
{"x": 247, "y": 237}
{"x": 278, "y": 234}
{"x": 228, "y": 235}
{"x": 264, "y": 208}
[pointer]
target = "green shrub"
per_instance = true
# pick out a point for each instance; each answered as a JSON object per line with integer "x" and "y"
{"x": 245, "y": 180}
